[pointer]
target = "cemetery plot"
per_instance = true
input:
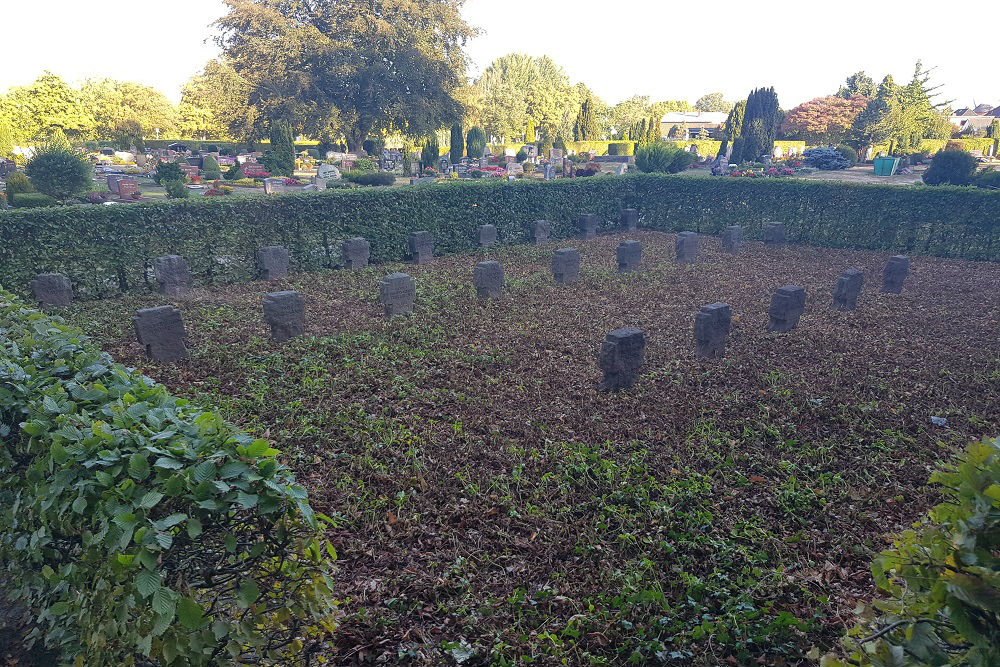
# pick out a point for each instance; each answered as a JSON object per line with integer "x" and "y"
{"x": 490, "y": 500}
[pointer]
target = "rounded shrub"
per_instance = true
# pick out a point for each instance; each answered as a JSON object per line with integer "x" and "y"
{"x": 521, "y": 156}
{"x": 32, "y": 200}
{"x": 211, "y": 168}
{"x": 988, "y": 180}
{"x": 168, "y": 171}
{"x": 825, "y": 158}
{"x": 849, "y": 153}
{"x": 955, "y": 167}
{"x": 660, "y": 157}
{"x": 176, "y": 189}
{"x": 18, "y": 183}
{"x": 59, "y": 173}
{"x": 475, "y": 142}
{"x": 365, "y": 164}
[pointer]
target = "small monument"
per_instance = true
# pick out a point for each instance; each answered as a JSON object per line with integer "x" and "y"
{"x": 356, "y": 251}
{"x": 52, "y": 290}
{"x": 787, "y": 305}
{"x": 687, "y": 247}
{"x": 711, "y": 330}
{"x": 488, "y": 279}
{"x": 565, "y": 266}
{"x": 587, "y": 223}
{"x": 398, "y": 293}
{"x": 421, "y": 246}
{"x": 848, "y": 289}
{"x": 541, "y": 230}
{"x": 621, "y": 358}
{"x": 629, "y": 254}
{"x": 286, "y": 313}
{"x": 732, "y": 239}
{"x": 896, "y": 270}
{"x": 161, "y": 331}
{"x": 487, "y": 235}
{"x": 172, "y": 275}
{"x": 273, "y": 262}
{"x": 630, "y": 219}
{"x": 774, "y": 233}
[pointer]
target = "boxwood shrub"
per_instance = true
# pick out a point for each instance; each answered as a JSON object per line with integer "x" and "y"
{"x": 139, "y": 528}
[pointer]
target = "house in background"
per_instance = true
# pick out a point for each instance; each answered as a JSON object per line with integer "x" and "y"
{"x": 978, "y": 119}
{"x": 690, "y": 123}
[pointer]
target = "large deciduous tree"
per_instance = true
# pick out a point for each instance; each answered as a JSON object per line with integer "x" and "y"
{"x": 367, "y": 65}
{"x": 823, "y": 119}
{"x": 117, "y": 104}
{"x": 49, "y": 103}
{"x": 215, "y": 104}
{"x": 713, "y": 102}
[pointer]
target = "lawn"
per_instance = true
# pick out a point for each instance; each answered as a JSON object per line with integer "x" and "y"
{"x": 493, "y": 508}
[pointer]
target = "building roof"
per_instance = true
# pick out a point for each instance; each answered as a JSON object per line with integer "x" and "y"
{"x": 983, "y": 110}
{"x": 709, "y": 117}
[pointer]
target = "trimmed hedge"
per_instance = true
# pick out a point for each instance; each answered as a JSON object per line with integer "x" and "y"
{"x": 139, "y": 528}
{"x": 107, "y": 249}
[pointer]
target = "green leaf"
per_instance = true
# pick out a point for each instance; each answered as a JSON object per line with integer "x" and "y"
{"x": 168, "y": 463}
{"x": 150, "y": 500}
{"x": 204, "y": 471}
{"x": 248, "y": 593}
{"x": 163, "y": 601}
{"x": 169, "y": 522}
{"x": 190, "y": 613}
{"x": 138, "y": 466}
{"x": 147, "y": 582}
{"x": 230, "y": 542}
{"x": 257, "y": 448}
{"x": 193, "y": 528}
{"x": 247, "y": 500}
{"x": 80, "y": 504}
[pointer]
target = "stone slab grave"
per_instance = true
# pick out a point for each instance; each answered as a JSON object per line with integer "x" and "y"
{"x": 630, "y": 219}
{"x": 398, "y": 293}
{"x": 357, "y": 252}
{"x": 487, "y": 278}
{"x": 274, "y": 186}
{"x": 711, "y": 330}
{"x": 629, "y": 255}
{"x": 127, "y": 187}
{"x": 421, "y": 247}
{"x": 541, "y": 230}
{"x": 286, "y": 313}
{"x": 272, "y": 261}
{"x": 732, "y": 239}
{"x": 172, "y": 274}
{"x": 587, "y": 224}
{"x": 896, "y": 270}
{"x": 52, "y": 290}
{"x": 621, "y": 357}
{"x": 566, "y": 266}
{"x": 848, "y": 289}
{"x": 161, "y": 331}
{"x": 774, "y": 233}
{"x": 787, "y": 305}
{"x": 487, "y": 235}
{"x": 687, "y": 247}
{"x": 327, "y": 172}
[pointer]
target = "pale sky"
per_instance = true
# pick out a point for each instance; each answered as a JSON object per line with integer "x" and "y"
{"x": 663, "y": 49}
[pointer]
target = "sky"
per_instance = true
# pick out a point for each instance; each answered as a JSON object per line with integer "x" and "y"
{"x": 663, "y": 49}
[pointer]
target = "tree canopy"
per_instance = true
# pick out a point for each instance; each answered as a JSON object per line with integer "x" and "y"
{"x": 823, "y": 119}
{"x": 713, "y": 102}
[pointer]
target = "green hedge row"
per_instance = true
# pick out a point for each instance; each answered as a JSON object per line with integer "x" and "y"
{"x": 138, "y": 528}
{"x": 106, "y": 249}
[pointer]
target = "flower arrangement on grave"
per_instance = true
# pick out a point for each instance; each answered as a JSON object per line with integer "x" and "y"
{"x": 218, "y": 190}
{"x": 430, "y": 171}
{"x": 254, "y": 170}
{"x": 292, "y": 181}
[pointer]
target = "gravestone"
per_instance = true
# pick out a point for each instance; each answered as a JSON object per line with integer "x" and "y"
{"x": 630, "y": 219}
{"x": 327, "y": 172}
{"x": 848, "y": 289}
{"x": 587, "y": 223}
{"x": 274, "y": 186}
{"x": 787, "y": 305}
{"x": 172, "y": 275}
{"x": 515, "y": 168}
{"x": 629, "y": 254}
{"x": 273, "y": 262}
{"x": 565, "y": 266}
{"x": 556, "y": 154}
{"x": 687, "y": 247}
{"x": 357, "y": 251}
{"x": 774, "y": 233}
{"x": 540, "y": 232}
{"x": 444, "y": 165}
{"x": 347, "y": 164}
{"x": 127, "y": 187}
{"x": 52, "y": 289}
{"x": 896, "y": 270}
{"x": 398, "y": 292}
{"x": 161, "y": 331}
{"x": 286, "y": 313}
{"x": 732, "y": 238}
{"x": 711, "y": 330}
{"x": 421, "y": 246}
{"x": 113, "y": 181}
{"x": 317, "y": 184}
{"x": 487, "y": 235}
{"x": 487, "y": 278}
{"x": 549, "y": 172}
{"x": 621, "y": 358}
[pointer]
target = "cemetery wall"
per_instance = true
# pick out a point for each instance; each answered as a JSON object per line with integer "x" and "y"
{"x": 107, "y": 249}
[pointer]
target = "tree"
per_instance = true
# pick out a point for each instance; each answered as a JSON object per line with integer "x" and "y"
{"x": 585, "y": 127}
{"x": 59, "y": 172}
{"x": 430, "y": 154}
{"x": 117, "y": 103}
{"x": 46, "y": 104}
{"x": 215, "y": 104}
{"x": 127, "y": 134}
{"x": 760, "y": 125}
{"x": 823, "y": 119}
{"x": 211, "y": 168}
{"x": 280, "y": 160}
{"x": 858, "y": 84}
{"x": 364, "y": 65}
{"x": 731, "y": 128}
{"x": 993, "y": 132}
{"x": 475, "y": 143}
{"x": 457, "y": 143}
{"x": 881, "y": 119}
{"x": 6, "y": 140}
{"x": 713, "y": 102}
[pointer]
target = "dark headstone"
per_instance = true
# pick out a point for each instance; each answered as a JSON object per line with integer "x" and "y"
{"x": 172, "y": 275}
{"x": 587, "y": 223}
{"x": 629, "y": 254}
{"x": 621, "y": 358}
{"x": 687, "y": 247}
{"x": 896, "y": 270}
{"x": 286, "y": 313}
{"x": 540, "y": 232}
{"x": 421, "y": 247}
{"x": 565, "y": 266}
{"x": 273, "y": 262}
{"x": 711, "y": 330}
{"x": 732, "y": 238}
{"x": 488, "y": 279}
{"x": 161, "y": 331}
{"x": 787, "y": 305}
{"x": 398, "y": 292}
{"x": 848, "y": 289}
{"x": 774, "y": 233}
{"x": 487, "y": 235}
{"x": 630, "y": 219}
{"x": 52, "y": 289}
{"x": 357, "y": 251}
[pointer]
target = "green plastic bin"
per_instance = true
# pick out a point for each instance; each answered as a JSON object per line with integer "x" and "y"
{"x": 886, "y": 166}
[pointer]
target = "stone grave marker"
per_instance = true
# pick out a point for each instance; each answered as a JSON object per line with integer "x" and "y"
{"x": 172, "y": 274}
{"x": 487, "y": 278}
{"x": 549, "y": 172}
{"x": 398, "y": 292}
{"x": 327, "y": 172}
{"x": 274, "y": 186}
{"x": 732, "y": 239}
{"x": 514, "y": 168}
{"x": 161, "y": 331}
{"x": 896, "y": 270}
{"x": 555, "y": 154}
{"x": 52, "y": 289}
{"x": 774, "y": 233}
{"x": 629, "y": 254}
{"x": 127, "y": 187}
{"x": 587, "y": 223}
{"x": 566, "y": 266}
{"x": 357, "y": 251}
{"x": 347, "y": 164}
{"x": 848, "y": 289}
{"x": 272, "y": 261}
{"x": 286, "y": 313}
{"x": 487, "y": 235}
{"x": 687, "y": 247}
{"x": 421, "y": 246}
{"x": 541, "y": 230}
{"x": 787, "y": 305}
{"x": 630, "y": 219}
{"x": 711, "y": 330}
{"x": 621, "y": 357}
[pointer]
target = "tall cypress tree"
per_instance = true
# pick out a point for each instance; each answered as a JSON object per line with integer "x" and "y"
{"x": 457, "y": 148}
{"x": 585, "y": 126}
{"x": 731, "y": 128}
{"x": 280, "y": 159}
{"x": 760, "y": 125}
